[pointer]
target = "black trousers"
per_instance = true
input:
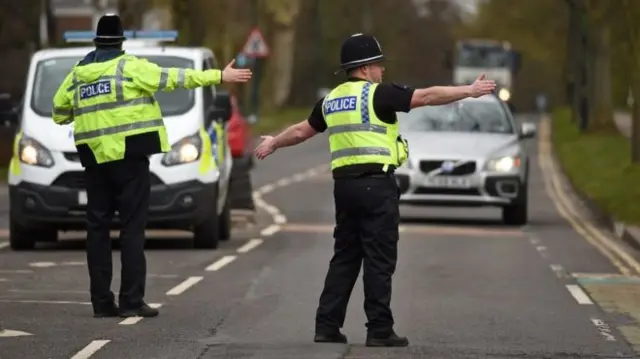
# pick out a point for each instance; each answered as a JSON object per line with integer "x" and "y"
{"x": 123, "y": 186}
{"x": 366, "y": 233}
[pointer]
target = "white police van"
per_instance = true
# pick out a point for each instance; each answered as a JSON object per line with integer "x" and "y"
{"x": 46, "y": 180}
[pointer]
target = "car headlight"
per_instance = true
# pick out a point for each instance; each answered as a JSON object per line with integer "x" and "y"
{"x": 33, "y": 153}
{"x": 186, "y": 150}
{"x": 503, "y": 164}
{"x": 504, "y": 94}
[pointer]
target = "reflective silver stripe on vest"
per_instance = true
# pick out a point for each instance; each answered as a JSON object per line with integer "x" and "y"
{"x": 112, "y": 105}
{"x": 120, "y": 80}
{"x": 118, "y": 129}
{"x": 164, "y": 77}
{"x": 360, "y": 151}
{"x": 358, "y": 127}
{"x": 182, "y": 73}
{"x": 62, "y": 111}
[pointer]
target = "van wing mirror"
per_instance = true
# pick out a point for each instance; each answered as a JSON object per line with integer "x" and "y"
{"x": 221, "y": 109}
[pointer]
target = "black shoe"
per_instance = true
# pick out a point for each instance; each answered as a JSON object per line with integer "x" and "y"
{"x": 388, "y": 340}
{"x": 144, "y": 311}
{"x": 330, "y": 337}
{"x": 106, "y": 312}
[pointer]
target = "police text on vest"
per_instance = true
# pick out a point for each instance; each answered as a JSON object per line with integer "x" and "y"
{"x": 340, "y": 104}
{"x": 95, "y": 89}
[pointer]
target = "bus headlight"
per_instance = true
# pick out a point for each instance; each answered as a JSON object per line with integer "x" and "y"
{"x": 504, "y": 94}
{"x": 186, "y": 150}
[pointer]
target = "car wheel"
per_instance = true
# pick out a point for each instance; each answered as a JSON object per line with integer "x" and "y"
{"x": 206, "y": 232}
{"x": 224, "y": 221}
{"x": 20, "y": 237}
{"x": 517, "y": 213}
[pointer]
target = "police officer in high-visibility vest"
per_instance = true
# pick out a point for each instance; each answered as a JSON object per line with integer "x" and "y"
{"x": 360, "y": 116}
{"x": 109, "y": 95}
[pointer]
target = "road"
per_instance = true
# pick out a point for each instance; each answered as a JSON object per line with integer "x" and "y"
{"x": 466, "y": 286}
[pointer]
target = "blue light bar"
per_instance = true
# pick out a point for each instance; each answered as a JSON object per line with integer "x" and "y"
{"x": 88, "y": 36}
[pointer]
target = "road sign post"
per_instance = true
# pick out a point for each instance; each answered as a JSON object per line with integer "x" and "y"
{"x": 256, "y": 48}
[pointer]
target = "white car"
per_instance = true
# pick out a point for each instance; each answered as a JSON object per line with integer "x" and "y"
{"x": 189, "y": 185}
{"x": 468, "y": 153}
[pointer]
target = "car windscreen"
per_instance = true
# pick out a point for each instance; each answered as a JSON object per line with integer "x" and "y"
{"x": 51, "y": 72}
{"x": 461, "y": 116}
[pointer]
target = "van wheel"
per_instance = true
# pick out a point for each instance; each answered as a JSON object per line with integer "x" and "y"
{"x": 224, "y": 221}
{"x": 20, "y": 237}
{"x": 517, "y": 213}
{"x": 206, "y": 233}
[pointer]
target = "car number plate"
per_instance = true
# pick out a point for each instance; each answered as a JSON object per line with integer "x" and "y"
{"x": 82, "y": 198}
{"x": 447, "y": 182}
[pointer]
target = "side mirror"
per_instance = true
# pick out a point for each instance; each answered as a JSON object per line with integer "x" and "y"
{"x": 221, "y": 110}
{"x": 447, "y": 61}
{"x": 8, "y": 114}
{"x": 527, "y": 130}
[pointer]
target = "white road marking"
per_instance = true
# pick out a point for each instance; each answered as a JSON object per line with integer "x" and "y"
{"x": 217, "y": 265}
{"x": 7, "y": 333}
{"x": 42, "y": 264}
{"x": 267, "y": 188}
{"x": 251, "y": 244}
{"x": 580, "y": 296}
{"x": 298, "y": 177}
{"x": 535, "y": 241}
{"x": 283, "y": 182}
{"x": 73, "y": 263}
{"x": 90, "y": 349}
{"x": 4, "y": 280}
{"x": 280, "y": 219}
{"x": 134, "y": 320}
{"x": 186, "y": 284}
{"x": 604, "y": 329}
{"x": 7, "y": 300}
{"x": 4, "y": 245}
{"x": 558, "y": 270}
{"x": 271, "y": 230}
{"x": 15, "y": 271}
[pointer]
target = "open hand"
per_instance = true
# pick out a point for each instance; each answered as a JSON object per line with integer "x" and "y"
{"x": 229, "y": 74}
{"x": 481, "y": 87}
{"x": 265, "y": 148}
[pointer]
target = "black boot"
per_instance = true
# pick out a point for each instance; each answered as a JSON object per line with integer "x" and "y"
{"x": 144, "y": 311}
{"x": 390, "y": 339}
{"x": 330, "y": 337}
{"x": 108, "y": 311}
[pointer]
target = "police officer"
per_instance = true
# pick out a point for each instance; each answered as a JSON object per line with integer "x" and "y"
{"x": 360, "y": 116}
{"x": 118, "y": 125}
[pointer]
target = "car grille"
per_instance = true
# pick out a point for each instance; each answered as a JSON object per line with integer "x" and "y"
{"x": 75, "y": 180}
{"x": 461, "y": 170}
{"x": 448, "y": 191}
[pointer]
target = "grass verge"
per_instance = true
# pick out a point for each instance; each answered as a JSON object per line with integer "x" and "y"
{"x": 599, "y": 166}
{"x": 275, "y": 121}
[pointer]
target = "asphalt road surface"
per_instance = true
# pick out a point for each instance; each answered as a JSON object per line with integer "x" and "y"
{"x": 466, "y": 286}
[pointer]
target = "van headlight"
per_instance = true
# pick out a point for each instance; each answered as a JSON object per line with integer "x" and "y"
{"x": 504, "y": 94}
{"x": 33, "y": 153}
{"x": 503, "y": 164}
{"x": 186, "y": 150}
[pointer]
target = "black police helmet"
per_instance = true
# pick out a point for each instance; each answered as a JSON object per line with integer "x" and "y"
{"x": 109, "y": 30}
{"x": 359, "y": 50}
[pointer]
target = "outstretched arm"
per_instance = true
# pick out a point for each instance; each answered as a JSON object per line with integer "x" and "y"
{"x": 153, "y": 78}
{"x": 62, "y": 106}
{"x": 440, "y": 95}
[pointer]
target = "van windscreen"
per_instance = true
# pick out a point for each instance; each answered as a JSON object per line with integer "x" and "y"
{"x": 51, "y": 72}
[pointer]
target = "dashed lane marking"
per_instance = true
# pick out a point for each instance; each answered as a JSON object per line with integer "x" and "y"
{"x": 432, "y": 230}
{"x": 8, "y": 333}
{"x": 134, "y": 320}
{"x": 217, "y": 265}
{"x": 90, "y": 349}
{"x": 251, "y": 244}
{"x": 559, "y": 271}
{"x": 271, "y": 230}
{"x": 15, "y": 271}
{"x": 4, "y": 245}
{"x": 186, "y": 284}
{"x": 604, "y": 329}
{"x": 578, "y": 294}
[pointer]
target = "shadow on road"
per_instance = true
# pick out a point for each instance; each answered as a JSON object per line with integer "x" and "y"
{"x": 152, "y": 244}
{"x": 448, "y": 221}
